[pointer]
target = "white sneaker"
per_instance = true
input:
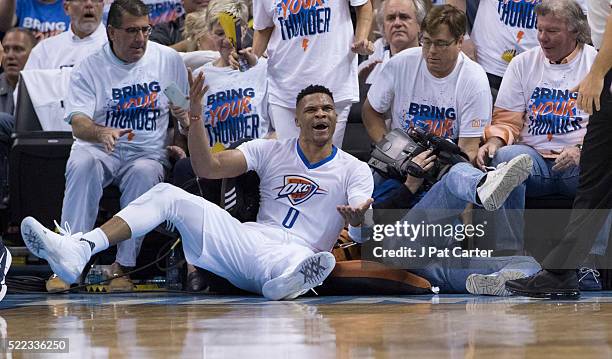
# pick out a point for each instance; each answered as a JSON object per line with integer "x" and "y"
{"x": 307, "y": 275}
{"x": 5, "y": 264}
{"x": 500, "y": 182}
{"x": 492, "y": 284}
{"x": 66, "y": 255}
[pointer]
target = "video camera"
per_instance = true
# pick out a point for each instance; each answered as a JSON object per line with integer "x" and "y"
{"x": 392, "y": 156}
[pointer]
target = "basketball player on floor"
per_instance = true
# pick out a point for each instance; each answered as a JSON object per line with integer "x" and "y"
{"x": 309, "y": 189}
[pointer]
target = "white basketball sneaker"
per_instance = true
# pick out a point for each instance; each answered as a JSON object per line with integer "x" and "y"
{"x": 308, "y": 274}
{"x": 492, "y": 284}
{"x": 501, "y": 181}
{"x": 5, "y": 264}
{"x": 64, "y": 252}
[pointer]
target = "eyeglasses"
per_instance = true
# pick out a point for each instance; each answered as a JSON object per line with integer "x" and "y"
{"x": 440, "y": 44}
{"x": 132, "y": 31}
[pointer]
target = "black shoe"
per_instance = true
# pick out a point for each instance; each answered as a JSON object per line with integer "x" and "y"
{"x": 196, "y": 282}
{"x": 545, "y": 284}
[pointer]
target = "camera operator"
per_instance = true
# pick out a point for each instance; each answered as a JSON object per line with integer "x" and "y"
{"x": 432, "y": 180}
{"x": 435, "y": 87}
{"x": 442, "y": 203}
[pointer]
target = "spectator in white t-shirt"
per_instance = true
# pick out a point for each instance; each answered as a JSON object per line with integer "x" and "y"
{"x": 85, "y": 36}
{"x": 311, "y": 42}
{"x": 119, "y": 116}
{"x": 400, "y": 21}
{"x": 502, "y": 29}
{"x": 435, "y": 87}
{"x": 536, "y": 114}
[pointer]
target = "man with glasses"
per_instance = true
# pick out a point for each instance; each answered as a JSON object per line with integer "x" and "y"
{"x": 435, "y": 86}
{"x": 85, "y": 36}
{"x": 119, "y": 117}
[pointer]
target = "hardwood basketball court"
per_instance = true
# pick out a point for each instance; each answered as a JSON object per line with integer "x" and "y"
{"x": 159, "y": 325}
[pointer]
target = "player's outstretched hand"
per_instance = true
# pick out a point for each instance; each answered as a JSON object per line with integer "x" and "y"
{"x": 197, "y": 89}
{"x": 109, "y": 136}
{"x": 355, "y": 215}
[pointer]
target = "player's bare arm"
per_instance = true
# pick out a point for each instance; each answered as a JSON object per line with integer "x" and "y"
{"x": 229, "y": 163}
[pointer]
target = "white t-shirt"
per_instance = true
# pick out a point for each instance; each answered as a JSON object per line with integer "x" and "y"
{"x": 235, "y": 105}
{"x": 503, "y": 29}
{"x": 598, "y": 15}
{"x": 301, "y": 197}
{"x": 65, "y": 50}
{"x": 458, "y": 105}
{"x": 119, "y": 95}
{"x": 48, "y": 90}
{"x": 195, "y": 59}
{"x": 309, "y": 46}
{"x": 540, "y": 89}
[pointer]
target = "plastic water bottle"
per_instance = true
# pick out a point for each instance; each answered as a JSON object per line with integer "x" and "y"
{"x": 173, "y": 273}
{"x": 95, "y": 275}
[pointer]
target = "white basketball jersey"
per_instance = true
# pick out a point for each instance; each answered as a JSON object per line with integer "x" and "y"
{"x": 301, "y": 197}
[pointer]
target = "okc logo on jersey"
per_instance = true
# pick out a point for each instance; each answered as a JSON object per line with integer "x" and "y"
{"x": 298, "y": 189}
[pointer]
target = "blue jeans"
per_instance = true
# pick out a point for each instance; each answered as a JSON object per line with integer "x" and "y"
{"x": 442, "y": 204}
{"x": 455, "y": 190}
{"x": 542, "y": 181}
{"x": 450, "y": 274}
